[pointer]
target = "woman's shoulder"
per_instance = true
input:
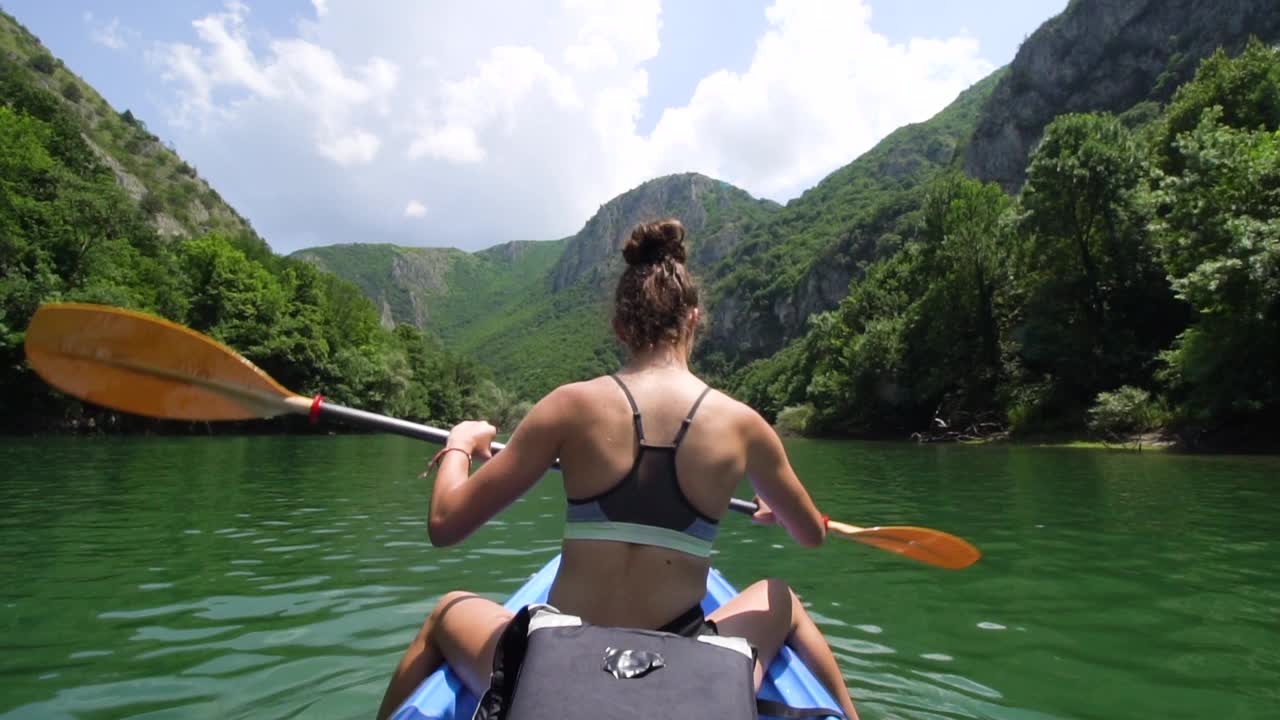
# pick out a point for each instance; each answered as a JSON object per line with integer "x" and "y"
{"x": 583, "y": 387}
{"x": 739, "y": 413}
{"x": 576, "y": 394}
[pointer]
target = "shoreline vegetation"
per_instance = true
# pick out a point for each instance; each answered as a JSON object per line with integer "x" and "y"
{"x": 99, "y": 423}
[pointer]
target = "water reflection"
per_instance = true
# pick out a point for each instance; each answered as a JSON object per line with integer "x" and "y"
{"x": 269, "y": 577}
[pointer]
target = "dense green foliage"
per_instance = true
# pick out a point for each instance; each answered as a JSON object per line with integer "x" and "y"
{"x": 1147, "y": 259}
{"x": 1122, "y": 412}
{"x": 1219, "y": 229}
{"x": 400, "y": 281}
{"x": 69, "y": 232}
{"x": 855, "y": 216}
{"x": 495, "y": 305}
{"x": 170, "y": 192}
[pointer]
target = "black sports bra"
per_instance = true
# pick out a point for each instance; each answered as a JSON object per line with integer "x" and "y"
{"x": 647, "y": 507}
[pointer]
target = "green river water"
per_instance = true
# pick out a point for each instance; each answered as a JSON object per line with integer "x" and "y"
{"x": 281, "y": 577}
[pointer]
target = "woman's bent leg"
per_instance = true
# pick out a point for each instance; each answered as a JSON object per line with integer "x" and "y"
{"x": 463, "y": 630}
{"x": 767, "y": 614}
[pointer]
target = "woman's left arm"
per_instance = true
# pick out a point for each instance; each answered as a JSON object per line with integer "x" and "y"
{"x": 460, "y": 504}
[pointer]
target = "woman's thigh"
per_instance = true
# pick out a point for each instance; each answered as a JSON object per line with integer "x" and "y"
{"x": 762, "y": 614}
{"x": 467, "y": 628}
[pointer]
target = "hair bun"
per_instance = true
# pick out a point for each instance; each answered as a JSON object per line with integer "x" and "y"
{"x": 651, "y": 243}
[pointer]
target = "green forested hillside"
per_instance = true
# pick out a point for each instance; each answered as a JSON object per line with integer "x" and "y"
{"x": 1134, "y": 282}
{"x": 73, "y": 226}
{"x": 801, "y": 259}
{"x": 495, "y": 305}
{"x": 537, "y": 313}
{"x": 1118, "y": 290}
{"x": 397, "y": 280}
{"x": 453, "y": 292}
{"x": 169, "y": 191}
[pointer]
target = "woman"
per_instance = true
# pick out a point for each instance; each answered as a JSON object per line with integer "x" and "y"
{"x": 650, "y": 458}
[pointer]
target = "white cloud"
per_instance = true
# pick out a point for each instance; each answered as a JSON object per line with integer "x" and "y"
{"x": 609, "y": 34}
{"x": 519, "y": 120}
{"x": 321, "y": 6}
{"x": 415, "y": 209}
{"x": 110, "y": 34}
{"x": 357, "y": 148}
{"x": 454, "y": 143}
{"x": 308, "y": 82}
{"x": 821, "y": 89}
{"x": 492, "y": 98}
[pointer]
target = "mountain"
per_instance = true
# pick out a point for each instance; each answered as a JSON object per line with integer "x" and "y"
{"x": 802, "y": 259}
{"x": 1105, "y": 56}
{"x": 171, "y": 193}
{"x": 537, "y": 313}
{"x": 764, "y": 267}
{"x": 95, "y": 209}
{"x": 716, "y": 215}
{"x": 767, "y": 269}
{"x": 398, "y": 280}
{"x": 447, "y": 290}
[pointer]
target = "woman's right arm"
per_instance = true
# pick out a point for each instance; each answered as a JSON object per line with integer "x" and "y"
{"x": 776, "y": 483}
{"x": 462, "y": 501}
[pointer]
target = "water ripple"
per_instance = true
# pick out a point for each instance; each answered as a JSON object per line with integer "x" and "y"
{"x": 207, "y": 578}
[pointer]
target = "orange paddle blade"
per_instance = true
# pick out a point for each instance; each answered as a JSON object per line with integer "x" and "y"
{"x": 924, "y": 544}
{"x": 144, "y": 365}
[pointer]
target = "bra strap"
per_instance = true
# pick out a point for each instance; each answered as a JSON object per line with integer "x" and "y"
{"x": 635, "y": 410}
{"x": 684, "y": 426}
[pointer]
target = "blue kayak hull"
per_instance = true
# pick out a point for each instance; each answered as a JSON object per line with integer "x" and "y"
{"x": 443, "y": 696}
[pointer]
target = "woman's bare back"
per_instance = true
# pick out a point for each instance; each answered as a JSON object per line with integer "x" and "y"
{"x": 616, "y": 583}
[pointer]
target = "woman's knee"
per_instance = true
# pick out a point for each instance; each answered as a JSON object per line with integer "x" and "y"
{"x": 447, "y": 602}
{"x": 450, "y": 599}
{"x": 779, "y": 598}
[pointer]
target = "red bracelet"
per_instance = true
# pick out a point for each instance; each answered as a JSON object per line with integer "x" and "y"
{"x": 314, "y": 416}
{"x": 435, "y": 460}
{"x": 826, "y": 522}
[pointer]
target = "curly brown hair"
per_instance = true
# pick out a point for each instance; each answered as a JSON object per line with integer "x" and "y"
{"x": 656, "y": 292}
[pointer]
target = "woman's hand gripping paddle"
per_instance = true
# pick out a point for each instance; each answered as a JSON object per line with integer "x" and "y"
{"x": 927, "y": 545}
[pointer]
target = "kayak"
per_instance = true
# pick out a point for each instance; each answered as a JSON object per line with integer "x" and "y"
{"x": 442, "y": 696}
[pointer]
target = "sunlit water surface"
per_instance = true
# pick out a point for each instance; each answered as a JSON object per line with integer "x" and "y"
{"x": 280, "y": 577}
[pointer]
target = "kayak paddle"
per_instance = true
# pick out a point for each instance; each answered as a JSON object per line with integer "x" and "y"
{"x": 927, "y": 545}
{"x": 144, "y": 365}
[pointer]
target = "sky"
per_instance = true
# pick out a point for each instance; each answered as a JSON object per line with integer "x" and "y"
{"x": 437, "y": 123}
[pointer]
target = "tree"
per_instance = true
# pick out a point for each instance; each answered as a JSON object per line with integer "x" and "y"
{"x": 43, "y": 62}
{"x": 966, "y": 259}
{"x": 1246, "y": 88}
{"x": 1219, "y": 229}
{"x": 1094, "y": 305}
{"x": 233, "y": 299}
{"x": 859, "y": 378}
{"x": 71, "y": 91}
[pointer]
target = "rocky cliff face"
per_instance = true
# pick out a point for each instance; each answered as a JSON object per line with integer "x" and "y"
{"x": 400, "y": 281}
{"x": 1104, "y": 55}
{"x": 713, "y": 212}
